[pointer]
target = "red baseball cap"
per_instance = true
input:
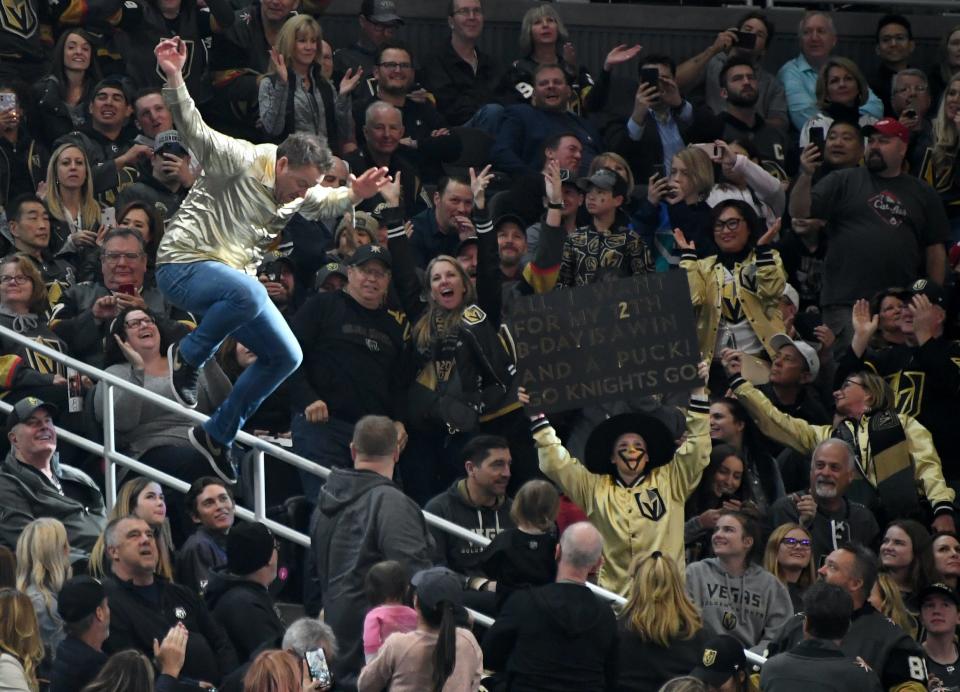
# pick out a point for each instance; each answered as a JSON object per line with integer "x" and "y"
{"x": 890, "y": 127}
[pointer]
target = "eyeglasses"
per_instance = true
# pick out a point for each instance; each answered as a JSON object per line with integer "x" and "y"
{"x": 794, "y": 542}
{"x": 138, "y": 322}
{"x": 729, "y": 224}
{"x": 372, "y": 272}
{"x": 395, "y": 65}
{"x": 469, "y": 12}
{"x": 114, "y": 257}
{"x": 16, "y": 280}
{"x": 850, "y": 383}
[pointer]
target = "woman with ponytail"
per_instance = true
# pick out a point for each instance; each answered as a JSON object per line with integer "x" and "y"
{"x": 661, "y": 630}
{"x": 438, "y": 656}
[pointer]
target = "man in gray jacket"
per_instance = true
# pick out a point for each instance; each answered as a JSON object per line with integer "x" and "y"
{"x": 363, "y": 518}
{"x": 33, "y": 482}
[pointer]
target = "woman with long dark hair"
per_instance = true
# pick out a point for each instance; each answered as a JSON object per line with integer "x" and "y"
{"x": 438, "y": 656}
{"x": 725, "y": 485}
{"x": 730, "y": 424}
{"x": 735, "y": 292}
{"x": 63, "y": 96}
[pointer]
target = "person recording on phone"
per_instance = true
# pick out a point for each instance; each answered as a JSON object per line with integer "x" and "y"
{"x": 161, "y": 184}
{"x": 748, "y": 41}
{"x": 884, "y": 227}
{"x": 910, "y": 102}
{"x": 278, "y": 275}
{"x": 82, "y": 317}
{"x": 823, "y": 507}
{"x": 657, "y": 128}
{"x": 20, "y": 170}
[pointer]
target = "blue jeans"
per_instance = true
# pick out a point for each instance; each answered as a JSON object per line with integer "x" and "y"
{"x": 328, "y": 444}
{"x": 232, "y": 303}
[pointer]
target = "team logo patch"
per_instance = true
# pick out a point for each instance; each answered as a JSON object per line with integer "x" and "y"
{"x": 18, "y": 17}
{"x": 709, "y": 656}
{"x": 651, "y": 504}
{"x": 180, "y": 612}
{"x": 474, "y": 315}
{"x": 729, "y": 620}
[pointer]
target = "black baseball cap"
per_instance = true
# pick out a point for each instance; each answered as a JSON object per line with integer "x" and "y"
{"x": 510, "y": 218}
{"x": 939, "y": 590}
{"x": 605, "y": 179}
{"x": 469, "y": 240}
{"x": 24, "y": 408}
{"x": 112, "y": 83}
{"x": 366, "y": 253}
{"x": 381, "y": 11}
{"x": 327, "y": 270}
{"x": 931, "y": 290}
{"x": 79, "y": 597}
{"x": 722, "y": 658}
{"x": 437, "y": 585}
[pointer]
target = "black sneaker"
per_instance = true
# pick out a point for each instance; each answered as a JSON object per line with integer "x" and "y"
{"x": 219, "y": 456}
{"x": 183, "y": 377}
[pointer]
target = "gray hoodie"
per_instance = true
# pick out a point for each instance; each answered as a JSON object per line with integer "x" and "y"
{"x": 751, "y": 607}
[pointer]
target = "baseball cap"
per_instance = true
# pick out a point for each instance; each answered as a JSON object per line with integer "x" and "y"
{"x": 891, "y": 127}
{"x": 381, "y": 11}
{"x": 940, "y": 590}
{"x": 24, "y": 408}
{"x": 722, "y": 658}
{"x": 79, "y": 597}
{"x": 790, "y": 293}
{"x": 249, "y": 547}
{"x": 168, "y": 141}
{"x": 366, "y": 222}
{"x": 469, "y": 240}
{"x": 510, "y": 218}
{"x": 932, "y": 291}
{"x": 436, "y": 585}
{"x": 327, "y": 270}
{"x": 112, "y": 83}
{"x": 604, "y": 179}
{"x": 808, "y": 352}
{"x": 566, "y": 178}
{"x": 365, "y": 253}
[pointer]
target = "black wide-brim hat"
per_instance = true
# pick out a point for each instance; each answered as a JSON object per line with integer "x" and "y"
{"x": 599, "y": 449}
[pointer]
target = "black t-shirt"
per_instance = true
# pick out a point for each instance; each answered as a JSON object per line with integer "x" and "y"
{"x": 878, "y": 229}
{"x": 948, "y": 674}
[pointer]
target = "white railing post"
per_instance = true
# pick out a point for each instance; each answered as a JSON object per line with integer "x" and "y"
{"x": 109, "y": 446}
{"x": 259, "y": 486}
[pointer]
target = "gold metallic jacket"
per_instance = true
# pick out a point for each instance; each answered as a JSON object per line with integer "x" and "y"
{"x": 759, "y": 283}
{"x": 804, "y": 437}
{"x": 230, "y": 214}
{"x": 640, "y": 519}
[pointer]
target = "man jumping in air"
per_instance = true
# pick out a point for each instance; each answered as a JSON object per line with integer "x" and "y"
{"x": 207, "y": 260}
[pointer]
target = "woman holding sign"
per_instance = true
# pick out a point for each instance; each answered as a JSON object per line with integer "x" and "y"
{"x": 633, "y": 481}
{"x": 736, "y": 292}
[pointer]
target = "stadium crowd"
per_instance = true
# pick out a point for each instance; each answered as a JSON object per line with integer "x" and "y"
{"x": 324, "y": 248}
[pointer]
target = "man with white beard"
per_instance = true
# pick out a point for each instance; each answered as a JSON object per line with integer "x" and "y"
{"x": 828, "y": 515}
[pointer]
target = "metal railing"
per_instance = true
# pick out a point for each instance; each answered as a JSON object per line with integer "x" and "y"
{"x": 260, "y": 447}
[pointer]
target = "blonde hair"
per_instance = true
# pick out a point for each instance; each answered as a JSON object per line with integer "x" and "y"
{"x": 38, "y": 297}
{"x": 881, "y": 396}
{"x": 43, "y": 559}
{"x": 892, "y": 605}
{"x": 863, "y": 91}
{"x": 945, "y": 134}
{"x": 531, "y": 17}
{"x": 770, "y": 563}
{"x": 20, "y": 633}
{"x": 125, "y": 506}
{"x": 89, "y": 209}
{"x": 274, "y": 671}
{"x": 293, "y": 29}
{"x": 659, "y": 609}
{"x": 699, "y": 168}
{"x": 602, "y": 160}
{"x": 436, "y": 322}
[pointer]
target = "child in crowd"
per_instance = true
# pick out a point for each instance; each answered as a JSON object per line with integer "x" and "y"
{"x": 525, "y": 556}
{"x": 388, "y": 589}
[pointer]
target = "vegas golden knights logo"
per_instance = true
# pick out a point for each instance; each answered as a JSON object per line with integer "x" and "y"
{"x": 18, "y": 17}
{"x": 188, "y": 65}
{"x": 709, "y": 656}
{"x": 651, "y": 504}
{"x": 729, "y": 620}
{"x": 45, "y": 365}
{"x": 908, "y": 391}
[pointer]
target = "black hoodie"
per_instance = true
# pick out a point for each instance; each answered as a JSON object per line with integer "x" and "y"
{"x": 245, "y": 610}
{"x": 363, "y": 518}
{"x": 554, "y": 638}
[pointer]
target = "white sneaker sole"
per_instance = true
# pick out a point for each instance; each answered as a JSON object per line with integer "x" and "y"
{"x": 197, "y": 445}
